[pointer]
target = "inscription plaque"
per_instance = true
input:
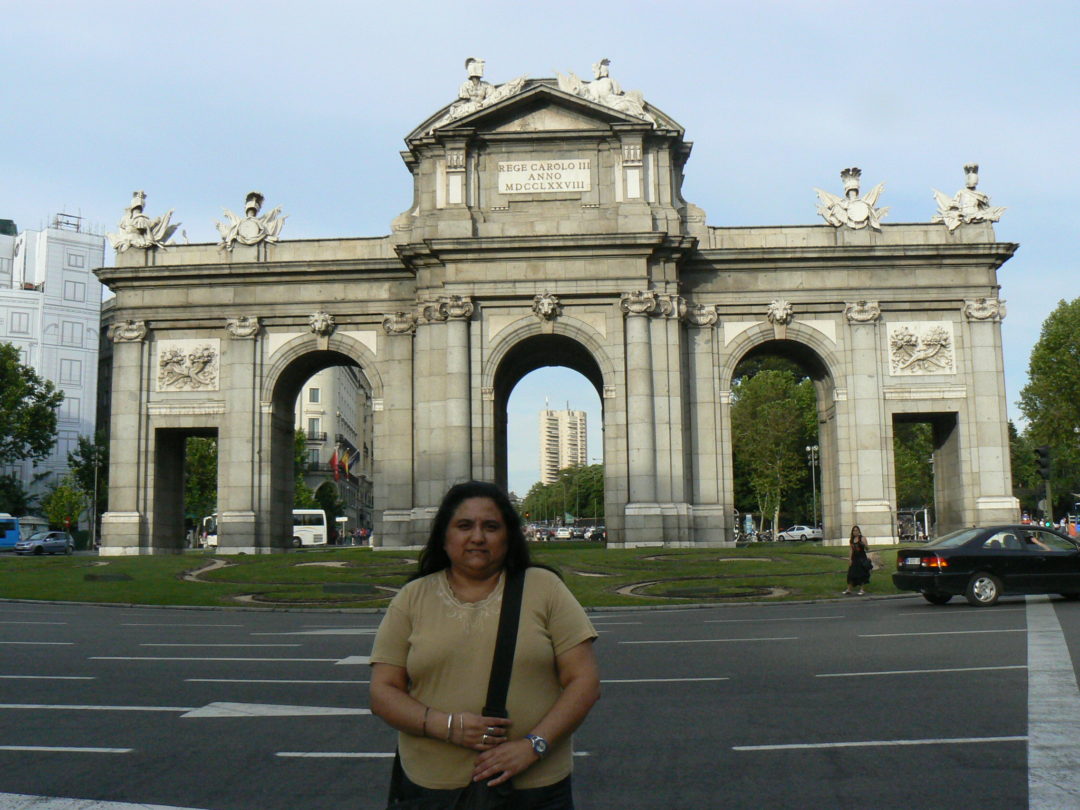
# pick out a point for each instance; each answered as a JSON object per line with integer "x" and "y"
{"x": 544, "y": 176}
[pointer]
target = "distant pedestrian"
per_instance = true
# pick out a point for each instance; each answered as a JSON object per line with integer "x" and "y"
{"x": 859, "y": 565}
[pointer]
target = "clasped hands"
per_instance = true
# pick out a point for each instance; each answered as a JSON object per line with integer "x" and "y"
{"x": 488, "y": 735}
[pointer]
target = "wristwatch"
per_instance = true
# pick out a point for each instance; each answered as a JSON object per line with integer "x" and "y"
{"x": 539, "y": 744}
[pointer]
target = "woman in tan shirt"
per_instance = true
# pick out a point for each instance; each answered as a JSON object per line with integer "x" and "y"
{"x": 432, "y": 657}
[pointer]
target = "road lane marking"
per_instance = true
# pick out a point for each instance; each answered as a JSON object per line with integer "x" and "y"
{"x": 338, "y": 631}
{"x": 88, "y": 708}
{"x": 1053, "y": 712}
{"x": 930, "y": 610}
{"x": 608, "y": 624}
{"x": 660, "y": 680}
{"x": 878, "y": 743}
{"x": 161, "y": 624}
{"x": 60, "y": 623}
{"x": 355, "y": 660}
{"x": 359, "y": 754}
{"x": 918, "y": 671}
{"x": 225, "y": 709}
{"x": 790, "y": 619}
{"x": 42, "y": 643}
{"x": 171, "y": 644}
{"x": 247, "y": 660}
{"x": 60, "y": 749}
{"x": 711, "y": 640}
{"x": 50, "y": 677}
{"x": 265, "y": 680}
{"x": 942, "y": 633}
{"x": 21, "y": 801}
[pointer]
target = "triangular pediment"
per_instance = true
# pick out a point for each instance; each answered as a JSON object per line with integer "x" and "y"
{"x": 538, "y": 107}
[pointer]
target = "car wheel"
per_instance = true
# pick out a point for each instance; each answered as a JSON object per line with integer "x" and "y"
{"x": 39, "y": 550}
{"x": 983, "y": 590}
{"x": 296, "y": 542}
{"x": 1072, "y": 597}
{"x": 802, "y": 537}
{"x": 935, "y": 598}
{"x": 69, "y": 549}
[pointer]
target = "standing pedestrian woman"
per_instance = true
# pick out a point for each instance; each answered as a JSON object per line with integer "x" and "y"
{"x": 859, "y": 565}
{"x": 433, "y": 654}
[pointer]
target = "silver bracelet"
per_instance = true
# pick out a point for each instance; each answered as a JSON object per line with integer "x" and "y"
{"x": 449, "y": 726}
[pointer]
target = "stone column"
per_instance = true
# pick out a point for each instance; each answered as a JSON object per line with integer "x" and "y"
{"x": 238, "y": 457}
{"x": 458, "y": 436}
{"x": 867, "y": 457}
{"x": 394, "y": 433}
{"x": 991, "y": 473}
{"x": 123, "y": 526}
{"x": 710, "y": 521}
{"x": 640, "y": 415}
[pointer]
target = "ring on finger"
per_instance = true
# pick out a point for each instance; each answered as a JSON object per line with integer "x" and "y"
{"x": 483, "y": 739}
{"x": 491, "y": 730}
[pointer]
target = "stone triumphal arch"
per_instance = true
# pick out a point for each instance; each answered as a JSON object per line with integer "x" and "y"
{"x": 548, "y": 228}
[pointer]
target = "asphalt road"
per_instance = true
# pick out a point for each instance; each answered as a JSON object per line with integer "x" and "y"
{"x": 856, "y": 703}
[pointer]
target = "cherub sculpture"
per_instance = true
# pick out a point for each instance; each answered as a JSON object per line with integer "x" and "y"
{"x": 967, "y": 205}
{"x": 851, "y": 210}
{"x": 137, "y": 230}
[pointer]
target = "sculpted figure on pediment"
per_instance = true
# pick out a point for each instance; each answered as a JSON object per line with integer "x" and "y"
{"x": 967, "y": 205}
{"x": 851, "y": 210}
{"x": 476, "y": 94}
{"x": 138, "y": 230}
{"x": 606, "y": 91}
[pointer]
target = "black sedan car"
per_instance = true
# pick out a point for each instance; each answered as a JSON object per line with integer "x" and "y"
{"x": 981, "y": 564}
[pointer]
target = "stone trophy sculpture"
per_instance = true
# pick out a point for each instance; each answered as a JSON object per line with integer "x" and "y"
{"x": 138, "y": 230}
{"x": 967, "y": 205}
{"x": 476, "y": 94}
{"x": 251, "y": 229}
{"x": 851, "y": 210}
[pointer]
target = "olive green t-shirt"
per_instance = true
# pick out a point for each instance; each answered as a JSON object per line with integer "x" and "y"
{"x": 446, "y": 648}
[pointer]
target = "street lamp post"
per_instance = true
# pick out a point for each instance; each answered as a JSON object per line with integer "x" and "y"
{"x": 812, "y": 456}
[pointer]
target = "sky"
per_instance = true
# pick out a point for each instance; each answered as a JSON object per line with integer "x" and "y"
{"x": 199, "y": 102}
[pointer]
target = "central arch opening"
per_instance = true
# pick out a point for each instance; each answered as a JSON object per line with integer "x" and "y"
{"x": 783, "y": 440}
{"x": 562, "y": 398}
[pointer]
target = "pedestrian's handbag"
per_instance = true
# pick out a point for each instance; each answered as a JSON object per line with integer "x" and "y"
{"x": 478, "y": 795}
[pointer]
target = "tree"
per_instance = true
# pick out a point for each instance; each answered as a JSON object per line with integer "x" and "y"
{"x": 14, "y": 499}
{"x": 303, "y": 495}
{"x": 27, "y": 410}
{"x": 769, "y": 423}
{"x": 200, "y": 476}
{"x": 89, "y": 466}
{"x": 64, "y": 504}
{"x": 913, "y": 446}
{"x": 577, "y": 491}
{"x": 1051, "y": 398}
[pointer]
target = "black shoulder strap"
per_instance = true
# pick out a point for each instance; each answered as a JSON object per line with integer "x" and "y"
{"x": 505, "y": 644}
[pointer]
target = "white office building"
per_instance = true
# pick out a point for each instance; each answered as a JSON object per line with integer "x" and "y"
{"x": 50, "y": 309}
{"x": 563, "y": 442}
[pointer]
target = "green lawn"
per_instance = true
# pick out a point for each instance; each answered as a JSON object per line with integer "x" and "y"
{"x": 363, "y": 578}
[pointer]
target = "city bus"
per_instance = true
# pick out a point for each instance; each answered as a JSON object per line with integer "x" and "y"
{"x": 9, "y": 531}
{"x": 308, "y": 528}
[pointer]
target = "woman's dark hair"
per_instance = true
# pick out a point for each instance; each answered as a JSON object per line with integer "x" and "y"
{"x": 854, "y": 529}
{"x": 434, "y": 557}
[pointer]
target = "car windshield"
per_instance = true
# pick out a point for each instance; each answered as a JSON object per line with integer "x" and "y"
{"x": 39, "y": 536}
{"x": 954, "y": 539}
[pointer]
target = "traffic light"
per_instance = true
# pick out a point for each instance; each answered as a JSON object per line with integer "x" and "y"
{"x": 1042, "y": 456}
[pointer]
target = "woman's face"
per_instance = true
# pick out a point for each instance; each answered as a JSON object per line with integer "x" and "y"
{"x": 476, "y": 539}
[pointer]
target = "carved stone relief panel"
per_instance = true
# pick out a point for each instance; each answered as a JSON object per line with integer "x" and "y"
{"x": 188, "y": 365}
{"x": 921, "y": 347}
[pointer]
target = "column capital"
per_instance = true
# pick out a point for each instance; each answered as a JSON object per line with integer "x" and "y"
{"x": 701, "y": 315}
{"x": 984, "y": 309}
{"x": 862, "y": 312}
{"x": 128, "y": 331}
{"x": 243, "y": 327}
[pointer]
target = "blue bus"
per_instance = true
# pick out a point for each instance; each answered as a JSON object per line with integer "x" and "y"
{"x": 9, "y": 531}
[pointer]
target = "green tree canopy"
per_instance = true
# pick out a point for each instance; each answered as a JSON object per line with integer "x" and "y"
{"x": 64, "y": 504}
{"x": 27, "y": 410}
{"x": 200, "y": 476}
{"x": 773, "y": 419}
{"x": 913, "y": 446}
{"x": 577, "y": 491}
{"x": 89, "y": 466}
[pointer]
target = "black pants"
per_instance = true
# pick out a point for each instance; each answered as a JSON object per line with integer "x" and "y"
{"x": 553, "y": 797}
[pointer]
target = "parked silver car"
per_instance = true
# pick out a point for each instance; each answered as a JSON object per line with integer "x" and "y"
{"x": 50, "y": 542}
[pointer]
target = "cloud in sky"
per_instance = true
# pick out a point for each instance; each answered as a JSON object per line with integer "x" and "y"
{"x": 200, "y": 102}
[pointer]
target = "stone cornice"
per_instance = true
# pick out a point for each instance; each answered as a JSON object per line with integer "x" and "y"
{"x": 882, "y": 257}
{"x": 251, "y": 272}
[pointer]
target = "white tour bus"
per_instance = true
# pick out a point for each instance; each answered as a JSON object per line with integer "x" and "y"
{"x": 309, "y": 528}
